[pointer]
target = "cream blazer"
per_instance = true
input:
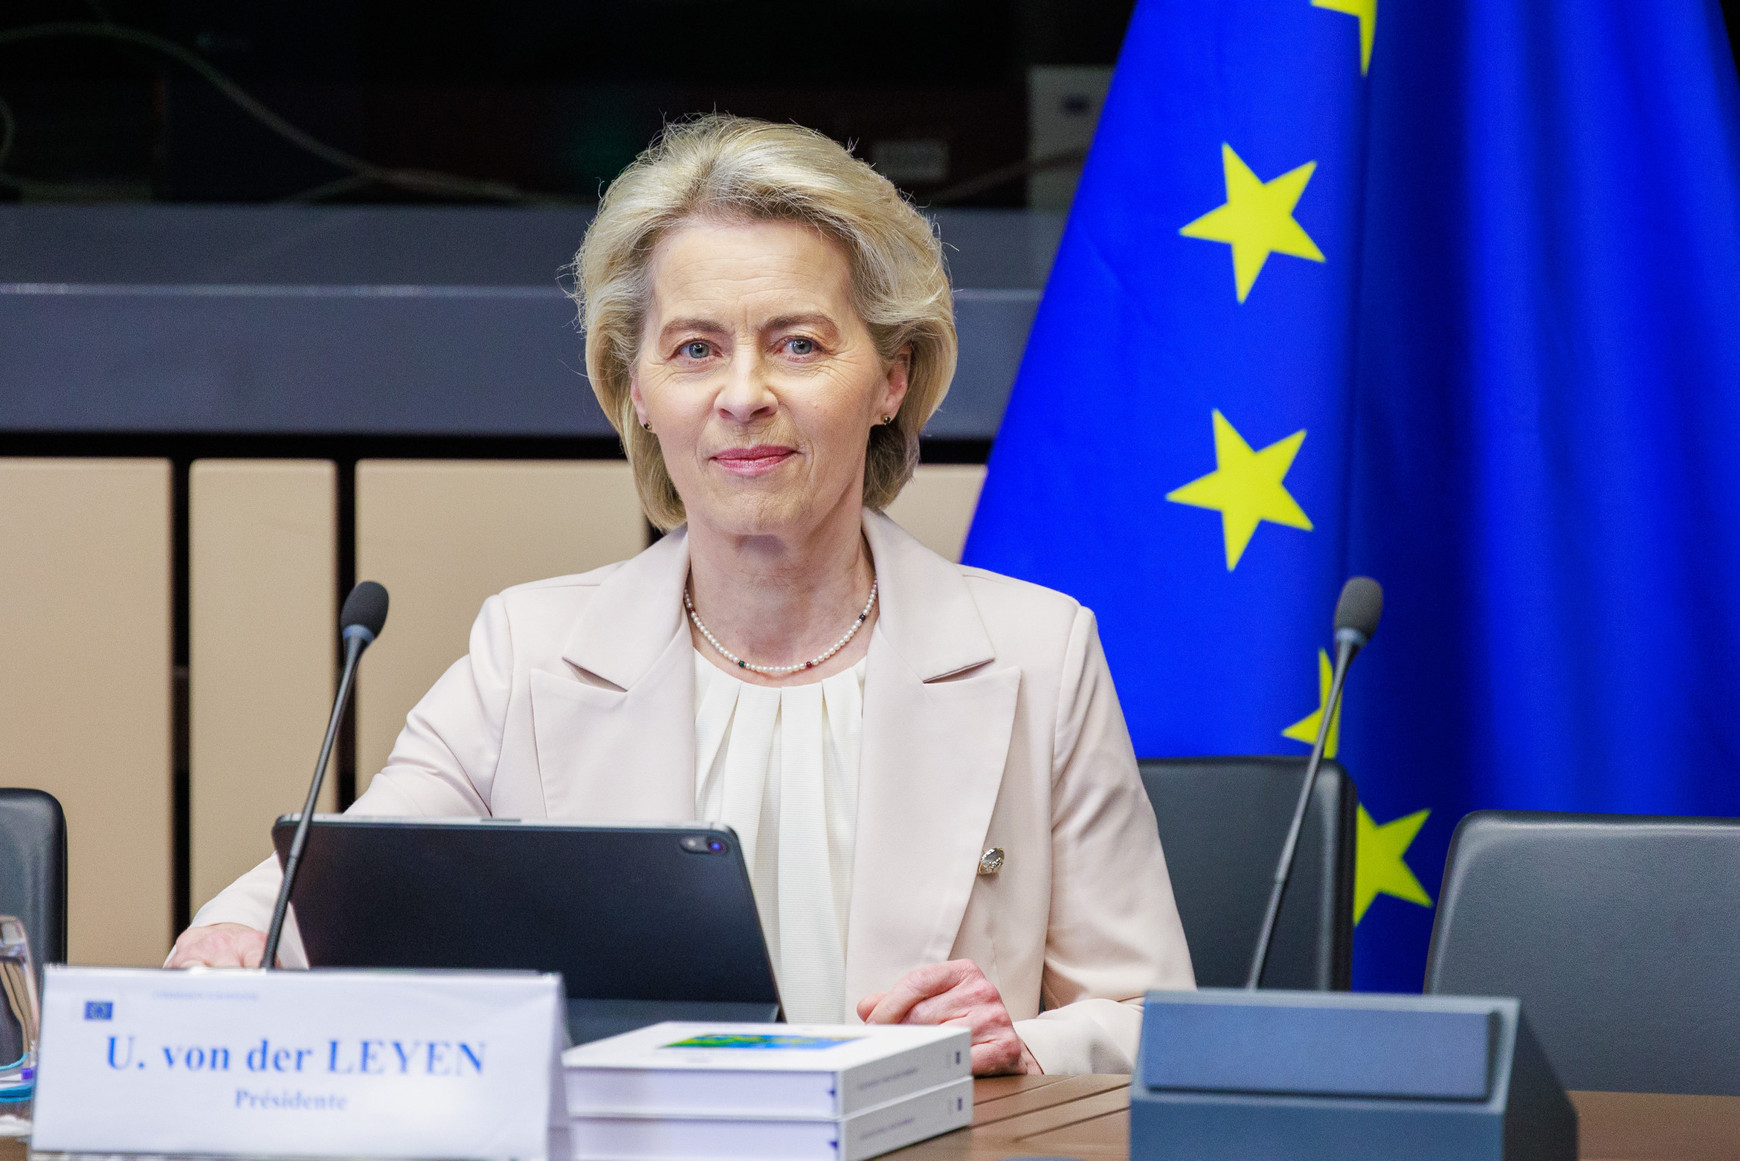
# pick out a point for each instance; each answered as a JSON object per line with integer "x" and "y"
{"x": 989, "y": 721}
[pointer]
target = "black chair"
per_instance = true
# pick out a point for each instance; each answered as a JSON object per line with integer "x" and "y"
{"x": 33, "y": 869}
{"x": 1222, "y": 823}
{"x": 1619, "y": 933}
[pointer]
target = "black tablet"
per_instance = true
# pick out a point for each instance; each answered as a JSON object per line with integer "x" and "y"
{"x": 645, "y": 922}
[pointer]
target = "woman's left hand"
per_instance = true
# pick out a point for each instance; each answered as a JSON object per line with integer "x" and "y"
{"x": 956, "y": 992}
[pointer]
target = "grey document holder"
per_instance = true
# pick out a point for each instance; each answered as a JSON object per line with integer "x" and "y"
{"x": 1314, "y": 1076}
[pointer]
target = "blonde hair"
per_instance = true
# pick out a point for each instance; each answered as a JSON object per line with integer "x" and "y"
{"x": 725, "y": 167}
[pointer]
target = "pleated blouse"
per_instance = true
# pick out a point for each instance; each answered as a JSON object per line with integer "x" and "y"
{"x": 780, "y": 766}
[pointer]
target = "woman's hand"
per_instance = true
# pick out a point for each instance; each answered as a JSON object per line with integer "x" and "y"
{"x": 219, "y": 945}
{"x": 956, "y": 992}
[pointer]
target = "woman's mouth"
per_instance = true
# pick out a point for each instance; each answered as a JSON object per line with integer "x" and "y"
{"x": 753, "y": 461}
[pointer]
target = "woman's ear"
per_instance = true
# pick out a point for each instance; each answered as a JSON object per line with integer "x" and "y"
{"x": 894, "y": 382}
{"x": 635, "y": 398}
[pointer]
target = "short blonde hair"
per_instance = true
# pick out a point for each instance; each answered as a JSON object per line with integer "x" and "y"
{"x": 725, "y": 167}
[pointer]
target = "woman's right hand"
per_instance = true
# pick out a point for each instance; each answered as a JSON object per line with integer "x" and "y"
{"x": 219, "y": 945}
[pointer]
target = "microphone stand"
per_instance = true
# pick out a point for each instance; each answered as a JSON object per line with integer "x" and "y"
{"x": 1347, "y": 643}
{"x": 356, "y": 639}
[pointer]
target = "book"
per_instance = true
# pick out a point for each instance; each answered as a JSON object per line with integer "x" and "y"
{"x": 720, "y": 1137}
{"x": 761, "y": 1070}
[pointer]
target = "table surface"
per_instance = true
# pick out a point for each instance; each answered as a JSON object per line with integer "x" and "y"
{"x": 1087, "y": 1117}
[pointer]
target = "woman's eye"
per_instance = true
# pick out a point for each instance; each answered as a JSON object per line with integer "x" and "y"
{"x": 801, "y": 346}
{"x": 695, "y": 349}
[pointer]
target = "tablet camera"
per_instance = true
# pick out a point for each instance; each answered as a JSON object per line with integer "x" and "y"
{"x": 705, "y": 844}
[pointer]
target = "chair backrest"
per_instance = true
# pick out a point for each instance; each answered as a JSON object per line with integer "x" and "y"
{"x": 1222, "y": 823}
{"x": 33, "y": 869}
{"x": 1619, "y": 933}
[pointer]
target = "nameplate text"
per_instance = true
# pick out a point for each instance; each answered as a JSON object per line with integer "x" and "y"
{"x": 299, "y": 1063}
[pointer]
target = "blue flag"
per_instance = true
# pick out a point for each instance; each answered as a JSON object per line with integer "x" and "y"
{"x": 1452, "y": 299}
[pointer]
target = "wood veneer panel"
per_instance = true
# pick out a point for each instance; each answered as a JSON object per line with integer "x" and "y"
{"x": 445, "y": 535}
{"x": 85, "y": 684}
{"x": 262, "y": 616}
{"x": 1108, "y": 1133}
{"x": 937, "y": 506}
{"x": 1057, "y": 1116}
{"x": 1064, "y": 1090}
{"x": 1635, "y": 1126}
{"x": 995, "y": 1088}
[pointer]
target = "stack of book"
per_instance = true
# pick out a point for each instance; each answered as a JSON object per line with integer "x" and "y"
{"x": 773, "y": 1092}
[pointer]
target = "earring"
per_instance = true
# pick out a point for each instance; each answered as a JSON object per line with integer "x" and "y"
{"x": 648, "y": 426}
{"x": 887, "y": 421}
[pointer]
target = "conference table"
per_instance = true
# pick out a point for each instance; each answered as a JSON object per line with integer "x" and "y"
{"x": 1088, "y": 1117}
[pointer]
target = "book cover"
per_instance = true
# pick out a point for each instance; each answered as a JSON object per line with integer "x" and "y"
{"x": 684, "y": 1069}
{"x": 868, "y": 1133}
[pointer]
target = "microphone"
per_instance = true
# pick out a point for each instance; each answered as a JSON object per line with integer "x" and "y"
{"x": 1356, "y": 613}
{"x": 1356, "y": 618}
{"x": 359, "y": 623}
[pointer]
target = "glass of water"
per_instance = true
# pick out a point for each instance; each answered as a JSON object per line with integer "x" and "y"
{"x": 19, "y": 1020}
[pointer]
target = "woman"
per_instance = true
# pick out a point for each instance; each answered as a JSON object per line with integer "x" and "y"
{"x": 926, "y": 764}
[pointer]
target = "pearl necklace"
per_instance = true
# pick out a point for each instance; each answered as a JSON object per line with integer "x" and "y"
{"x": 779, "y": 670}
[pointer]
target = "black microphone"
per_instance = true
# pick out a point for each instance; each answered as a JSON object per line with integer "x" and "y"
{"x": 359, "y": 623}
{"x": 1356, "y": 618}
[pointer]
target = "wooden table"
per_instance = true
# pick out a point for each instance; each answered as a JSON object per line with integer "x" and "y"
{"x": 1069, "y": 1116}
{"x": 1088, "y": 1117}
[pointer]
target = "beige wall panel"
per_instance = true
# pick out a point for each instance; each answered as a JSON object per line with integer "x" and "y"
{"x": 262, "y": 616}
{"x": 85, "y": 658}
{"x": 443, "y": 536}
{"x": 937, "y": 506}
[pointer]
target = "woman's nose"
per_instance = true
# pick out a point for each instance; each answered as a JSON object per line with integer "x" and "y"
{"x": 746, "y": 394}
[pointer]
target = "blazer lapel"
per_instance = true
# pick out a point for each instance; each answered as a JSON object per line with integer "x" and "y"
{"x": 616, "y": 737}
{"x": 937, "y": 722}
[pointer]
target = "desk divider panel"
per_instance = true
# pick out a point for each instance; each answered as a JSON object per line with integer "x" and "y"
{"x": 86, "y": 657}
{"x": 262, "y": 636}
{"x": 937, "y": 506}
{"x": 444, "y": 535}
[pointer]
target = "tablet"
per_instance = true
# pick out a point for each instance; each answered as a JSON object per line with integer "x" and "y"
{"x": 645, "y": 922}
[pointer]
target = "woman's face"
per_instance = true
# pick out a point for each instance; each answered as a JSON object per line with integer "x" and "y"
{"x": 759, "y": 379}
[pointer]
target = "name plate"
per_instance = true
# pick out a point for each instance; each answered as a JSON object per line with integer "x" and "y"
{"x": 407, "y": 1064}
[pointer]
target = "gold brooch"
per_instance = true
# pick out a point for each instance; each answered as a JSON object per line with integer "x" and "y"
{"x": 991, "y": 861}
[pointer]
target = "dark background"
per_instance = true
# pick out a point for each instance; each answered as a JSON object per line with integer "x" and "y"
{"x": 546, "y": 99}
{"x": 552, "y": 97}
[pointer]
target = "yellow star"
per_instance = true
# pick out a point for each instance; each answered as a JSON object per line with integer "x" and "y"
{"x": 1305, "y": 729}
{"x": 1245, "y": 487}
{"x": 1378, "y": 868}
{"x": 1366, "y": 10}
{"x": 1257, "y": 219}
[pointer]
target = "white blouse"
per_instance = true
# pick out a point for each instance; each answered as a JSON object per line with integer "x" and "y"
{"x": 780, "y": 766}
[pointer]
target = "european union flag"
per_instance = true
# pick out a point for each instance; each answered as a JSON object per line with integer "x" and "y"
{"x": 1450, "y": 299}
